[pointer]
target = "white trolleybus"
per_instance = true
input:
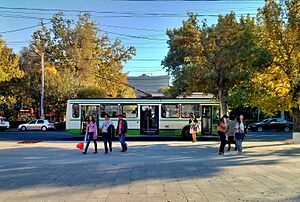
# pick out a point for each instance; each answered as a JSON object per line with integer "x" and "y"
{"x": 147, "y": 116}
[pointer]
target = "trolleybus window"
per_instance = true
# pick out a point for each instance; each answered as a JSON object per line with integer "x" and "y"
{"x": 87, "y": 110}
{"x": 130, "y": 110}
{"x": 75, "y": 111}
{"x": 186, "y": 109}
{"x": 170, "y": 111}
{"x": 111, "y": 110}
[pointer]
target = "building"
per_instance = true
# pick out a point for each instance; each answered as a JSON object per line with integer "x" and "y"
{"x": 149, "y": 84}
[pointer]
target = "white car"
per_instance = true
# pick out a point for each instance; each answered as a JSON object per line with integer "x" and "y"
{"x": 39, "y": 124}
{"x": 4, "y": 124}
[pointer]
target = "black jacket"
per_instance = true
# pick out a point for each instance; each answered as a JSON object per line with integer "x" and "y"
{"x": 195, "y": 121}
{"x": 124, "y": 127}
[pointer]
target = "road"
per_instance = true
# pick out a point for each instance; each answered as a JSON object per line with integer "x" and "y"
{"x": 62, "y": 136}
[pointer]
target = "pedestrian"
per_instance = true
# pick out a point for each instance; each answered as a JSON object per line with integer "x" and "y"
{"x": 230, "y": 134}
{"x": 193, "y": 126}
{"x": 91, "y": 134}
{"x": 221, "y": 132}
{"x": 107, "y": 129}
{"x": 122, "y": 129}
{"x": 240, "y": 133}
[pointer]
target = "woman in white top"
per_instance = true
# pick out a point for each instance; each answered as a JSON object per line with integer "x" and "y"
{"x": 239, "y": 132}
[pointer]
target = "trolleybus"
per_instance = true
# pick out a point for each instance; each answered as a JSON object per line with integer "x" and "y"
{"x": 147, "y": 116}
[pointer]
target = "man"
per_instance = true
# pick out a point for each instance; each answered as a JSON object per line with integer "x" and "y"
{"x": 122, "y": 129}
{"x": 230, "y": 133}
{"x": 107, "y": 128}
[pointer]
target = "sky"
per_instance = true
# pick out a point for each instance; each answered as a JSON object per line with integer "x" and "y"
{"x": 138, "y": 23}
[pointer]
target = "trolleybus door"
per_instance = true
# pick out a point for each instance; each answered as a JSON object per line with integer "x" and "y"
{"x": 149, "y": 124}
{"x": 86, "y": 111}
{"x": 206, "y": 120}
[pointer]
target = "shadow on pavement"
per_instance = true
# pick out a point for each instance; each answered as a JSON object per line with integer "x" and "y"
{"x": 56, "y": 167}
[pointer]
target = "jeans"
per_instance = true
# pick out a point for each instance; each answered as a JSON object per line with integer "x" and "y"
{"x": 122, "y": 141}
{"x": 107, "y": 138}
{"x": 89, "y": 138}
{"x": 239, "y": 145}
{"x": 223, "y": 141}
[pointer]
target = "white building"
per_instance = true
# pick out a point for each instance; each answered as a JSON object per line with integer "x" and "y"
{"x": 149, "y": 84}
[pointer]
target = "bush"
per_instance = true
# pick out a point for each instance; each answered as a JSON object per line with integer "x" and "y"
{"x": 60, "y": 125}
{"x": 15, "y": 124}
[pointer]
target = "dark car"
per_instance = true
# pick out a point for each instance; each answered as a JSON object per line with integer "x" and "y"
{"x": 272, "y": 124}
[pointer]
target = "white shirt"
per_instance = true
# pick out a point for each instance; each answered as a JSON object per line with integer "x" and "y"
{"x": 240, "y": 128}
{"x": 104, "y": 126}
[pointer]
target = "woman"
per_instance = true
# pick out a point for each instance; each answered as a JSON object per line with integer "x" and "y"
{"x": 221, "y": 132}
{"x": 193, "y": 129}
{"x": 239, "y": 133}
{"x": 91, "y": 133}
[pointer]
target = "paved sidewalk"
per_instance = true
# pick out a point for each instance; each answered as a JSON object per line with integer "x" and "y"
{"x": 149, "y": 171}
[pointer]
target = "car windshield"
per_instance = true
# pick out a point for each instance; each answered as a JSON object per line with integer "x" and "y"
{"x": 32, "y": 122}
{"x": 266, "y": 120}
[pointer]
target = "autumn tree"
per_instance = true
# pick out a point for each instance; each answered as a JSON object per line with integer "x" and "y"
{"x": 10, "y": 73}
{"x": 279, "y": 31}
{"x": 80, "y": 61}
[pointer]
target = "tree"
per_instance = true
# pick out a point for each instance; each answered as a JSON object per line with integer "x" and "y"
{"x": 9, "y": 63}
{"x": 80, "y": 61}
{"x": 279, "y": 31}
{"x": 10, "y": 74}
{"x": 211, "y": 59}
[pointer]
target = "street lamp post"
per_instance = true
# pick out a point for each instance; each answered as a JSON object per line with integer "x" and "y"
{"x": 43, "y": 81}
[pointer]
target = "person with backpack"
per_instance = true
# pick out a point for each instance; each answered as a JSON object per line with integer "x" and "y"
{"x": 222, "y": 128}
{"x": 122, "y": 129}
{"x": 91, "y": 134}
{"x": 240, "y": 133}
{"x": 107, "y": 128}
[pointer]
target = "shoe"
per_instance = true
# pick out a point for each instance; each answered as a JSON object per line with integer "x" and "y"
{"x": 95, "y": 152}
{"x": 221, "y": 153}
{"x": 122, "y": 151}
{"x": 106, "y": 152}
{"x": 83, "y": 152}
{"x": 228, "y": 149}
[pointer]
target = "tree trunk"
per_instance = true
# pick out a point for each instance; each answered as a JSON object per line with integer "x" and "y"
{"x": 296, "y": 118}
{"x": 222, "y": 103}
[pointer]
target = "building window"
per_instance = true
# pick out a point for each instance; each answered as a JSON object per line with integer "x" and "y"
{"x": 170, "y": 111}
{"x": 130, "y": 110}
{"x": 75, "y": 110}
{"x": 111, "y": 110}
{"x": 186, "y": 109}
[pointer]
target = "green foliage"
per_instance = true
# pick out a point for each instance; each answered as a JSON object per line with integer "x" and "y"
{"x": 211, "y": 59}
{"x": 80, "y": 61}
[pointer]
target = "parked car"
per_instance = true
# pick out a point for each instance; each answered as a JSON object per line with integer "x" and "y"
{"x": 4, "y": 124}
{"x": 38, "y": 124}
{"x": 272, "y": 124}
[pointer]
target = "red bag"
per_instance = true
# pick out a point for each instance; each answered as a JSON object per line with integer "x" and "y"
{"x": 80, "y": 145}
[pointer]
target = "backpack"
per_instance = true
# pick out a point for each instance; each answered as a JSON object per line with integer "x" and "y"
{"x": 111, "y": 130}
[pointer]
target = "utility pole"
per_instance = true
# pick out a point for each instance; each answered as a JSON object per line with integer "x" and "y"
{"x": 43, "y": 86}
{"x": 43, "y": 81}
